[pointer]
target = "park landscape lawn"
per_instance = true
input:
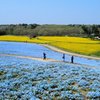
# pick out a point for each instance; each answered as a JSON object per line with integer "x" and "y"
{"x": 78, "y": 45}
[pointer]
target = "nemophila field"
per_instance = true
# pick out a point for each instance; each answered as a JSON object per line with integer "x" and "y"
{"x": 23, "y": 78}
{"x": 30, "y": 79}
{"x": 79, "y": 45}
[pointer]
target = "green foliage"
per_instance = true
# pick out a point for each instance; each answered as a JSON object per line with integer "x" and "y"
{"x": 33, "y": 30}
{"x": 91, "y": 30}
{"x": 96, "y": 54}
{"x": 2, "y": 32}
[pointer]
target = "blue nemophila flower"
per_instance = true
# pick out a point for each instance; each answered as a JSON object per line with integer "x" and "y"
{"x": 46, "y": 80}
{"x": 79, "y": 96}
{"x": 93, "y": 95}
{"x": 75, "y": 88}
{"x": 95, "y": 85}
{"x": 67, "y": 95}
{"x": 83, "y": 83}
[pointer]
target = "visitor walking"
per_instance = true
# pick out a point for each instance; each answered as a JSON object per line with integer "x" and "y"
{"x": 72, "y": 59}
{"x": 63, "y": 57}
{"x": 44, "y": 55}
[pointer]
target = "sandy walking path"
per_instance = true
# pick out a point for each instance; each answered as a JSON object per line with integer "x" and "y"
{"x": 47, "y": 60}
{"x": 29, "y": 57}
{"x": 69, "y": 53}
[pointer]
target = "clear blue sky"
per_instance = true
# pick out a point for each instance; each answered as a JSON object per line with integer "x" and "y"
{"x": 50, "y": 11}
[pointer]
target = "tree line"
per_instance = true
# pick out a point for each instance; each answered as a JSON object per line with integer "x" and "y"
{"x": 33, "y": 30}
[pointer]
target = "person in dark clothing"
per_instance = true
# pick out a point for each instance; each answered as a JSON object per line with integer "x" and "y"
{"x": 72, "y": 59}
{"x": 44, "y": 56}
{"x": 63, "y": 57}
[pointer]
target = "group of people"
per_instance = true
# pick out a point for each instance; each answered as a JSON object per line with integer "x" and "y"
{"x": 63, "y": 57}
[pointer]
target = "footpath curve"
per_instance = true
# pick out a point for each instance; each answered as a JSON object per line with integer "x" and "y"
{"x": 69, "y": 53}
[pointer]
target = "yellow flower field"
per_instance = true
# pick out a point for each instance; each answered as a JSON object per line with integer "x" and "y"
{"x": 20, "y": 39}
{"x": 72, "y": 44}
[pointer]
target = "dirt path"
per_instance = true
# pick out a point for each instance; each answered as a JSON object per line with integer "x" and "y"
{"x": 29, "y": 57}
{"x": 74, "y": 54}
{"x": 50, "y": 60}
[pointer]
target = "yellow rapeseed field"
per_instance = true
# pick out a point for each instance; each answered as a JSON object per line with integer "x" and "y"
{"x": 73, "y": 44}
{"x": 20, "y": 39}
